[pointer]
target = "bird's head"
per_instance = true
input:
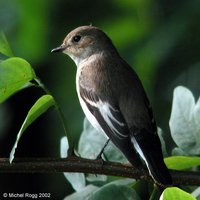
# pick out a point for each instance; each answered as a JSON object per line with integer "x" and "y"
{"x": 83, "y": 42}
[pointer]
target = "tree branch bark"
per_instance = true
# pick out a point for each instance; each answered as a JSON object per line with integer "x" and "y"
{"x": 77, "y": 164}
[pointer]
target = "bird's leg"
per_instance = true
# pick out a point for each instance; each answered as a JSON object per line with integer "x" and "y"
{"x": 99, "y": 156}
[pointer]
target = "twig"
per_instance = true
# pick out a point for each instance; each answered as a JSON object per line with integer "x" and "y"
{"x": 41, "y": 85}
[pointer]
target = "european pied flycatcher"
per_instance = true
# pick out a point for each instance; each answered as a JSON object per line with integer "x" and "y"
{"x": 113, "y": 99}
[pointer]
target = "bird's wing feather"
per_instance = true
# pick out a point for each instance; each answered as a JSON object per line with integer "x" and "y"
{"x": 111, "y": 122}
{"x": 109, "y": 113}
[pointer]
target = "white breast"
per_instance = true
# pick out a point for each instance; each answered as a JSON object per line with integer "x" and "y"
{"x": 86, "y": 111}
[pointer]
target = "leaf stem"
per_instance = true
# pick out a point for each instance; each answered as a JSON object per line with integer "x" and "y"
{"x": 61, "y": 116}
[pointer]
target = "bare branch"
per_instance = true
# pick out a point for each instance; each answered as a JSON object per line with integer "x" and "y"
{"x": 77, "y": 164}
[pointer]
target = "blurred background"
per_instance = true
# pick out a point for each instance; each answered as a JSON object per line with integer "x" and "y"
{"x": 160, "y": 39}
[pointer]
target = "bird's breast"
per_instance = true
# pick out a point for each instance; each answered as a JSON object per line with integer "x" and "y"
{"x": 86, "y": 111}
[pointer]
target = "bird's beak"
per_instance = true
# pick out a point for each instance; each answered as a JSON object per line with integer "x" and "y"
{"x": 58, "y": 49}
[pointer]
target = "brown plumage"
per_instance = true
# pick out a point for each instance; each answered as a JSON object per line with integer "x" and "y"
{"x": 114, "y": 101}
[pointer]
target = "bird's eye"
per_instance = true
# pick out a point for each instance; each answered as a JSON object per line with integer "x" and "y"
{"x": 76, "y": 38}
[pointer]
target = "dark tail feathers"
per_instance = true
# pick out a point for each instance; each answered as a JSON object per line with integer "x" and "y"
{"x": 158, "y": 170}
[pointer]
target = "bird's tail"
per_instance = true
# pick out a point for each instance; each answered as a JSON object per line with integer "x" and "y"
{"x": 155, "y": 164}
{"x": 158, "y": 170}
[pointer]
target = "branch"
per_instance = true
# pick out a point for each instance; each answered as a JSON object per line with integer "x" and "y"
{"x": 77, "y": 164}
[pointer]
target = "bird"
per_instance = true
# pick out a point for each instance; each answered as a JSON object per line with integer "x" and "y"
{"x": 114, "y": 100}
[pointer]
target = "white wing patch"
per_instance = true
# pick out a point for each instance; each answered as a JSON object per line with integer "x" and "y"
{"x": 91, "y": 117}
{"x": 105, "y": 110}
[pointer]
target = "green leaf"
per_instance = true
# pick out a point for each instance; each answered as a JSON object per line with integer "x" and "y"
{"x": 160, "y": 135}
{"x": 15, "y": 73}
{"x": 92, "y": 141}
{"x": 117, "y": 192}
{"x": 182, "y": 162}
{"x": 77, "y": 180}
{"x": 83, "y": 194}
{"x": 175, "y": 193}
{"x": 196, "y": 193}
{"x": 117, "y": 189}
{"x": 90, "y": 145}
{"x": 178, "y": 152}
{"x": 40, "y": 106}
{"x": 4, "y": 46}
{"x": 184, "y": 121}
